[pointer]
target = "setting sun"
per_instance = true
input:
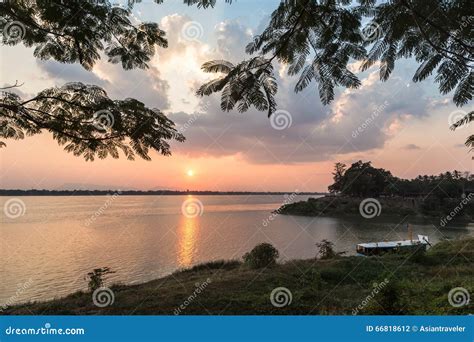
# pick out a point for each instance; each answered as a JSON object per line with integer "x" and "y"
{"x": 190, "y": 173}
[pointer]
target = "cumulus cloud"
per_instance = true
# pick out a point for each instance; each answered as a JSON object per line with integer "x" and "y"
{"x": 376, "y": 112}
{"x": 356, "y": 122}
{"x": 411, "y": 147}
{"x": 147, "y": 85}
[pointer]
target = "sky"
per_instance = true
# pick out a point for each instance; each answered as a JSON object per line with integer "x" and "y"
{"x": 398, "y": 125}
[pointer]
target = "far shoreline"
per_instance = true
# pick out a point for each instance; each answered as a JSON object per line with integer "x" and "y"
{"x": 51, "y": 193}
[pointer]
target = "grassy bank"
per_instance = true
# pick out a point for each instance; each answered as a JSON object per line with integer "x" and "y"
{"x": 435, "y": 209}
{"x": 415, "y": 284}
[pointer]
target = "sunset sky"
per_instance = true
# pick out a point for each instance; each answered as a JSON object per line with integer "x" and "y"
{"x": 408, "y": 134}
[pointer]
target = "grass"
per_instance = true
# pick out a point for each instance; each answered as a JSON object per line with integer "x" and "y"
{"x": 416, "y": 284}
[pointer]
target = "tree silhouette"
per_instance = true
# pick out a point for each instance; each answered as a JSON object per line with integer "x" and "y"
{"x": 316, "y": 39}
{"x": 82, "y": 117}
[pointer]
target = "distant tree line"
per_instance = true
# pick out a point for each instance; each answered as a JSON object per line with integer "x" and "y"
{"x": 35, "y": 192}
{"x": 361, "y": 179}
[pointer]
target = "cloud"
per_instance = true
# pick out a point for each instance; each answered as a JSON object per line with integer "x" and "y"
{"x": 411, "y": 147}
{"x": 316, "y": 133}
{"x": 144, "y": 85}
{"x": 358, "y": 120}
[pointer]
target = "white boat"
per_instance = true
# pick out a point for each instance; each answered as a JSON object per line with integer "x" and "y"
{"x": 377, "y": 248}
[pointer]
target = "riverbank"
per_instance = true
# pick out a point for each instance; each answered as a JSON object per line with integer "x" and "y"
{"x": 461, "y": 209}
{"x": 392, "y": 284}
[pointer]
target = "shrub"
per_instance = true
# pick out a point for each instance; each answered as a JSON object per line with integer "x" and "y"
{"x": 96, "y": 279}
{"x": 388, "y": 301}
{"x": 326, "y": 250}
{"x": 262, "y": 255}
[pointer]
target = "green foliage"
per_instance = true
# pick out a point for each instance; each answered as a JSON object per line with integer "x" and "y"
{"x": 96, "y": 277}
{"x": 363, "y": 180}
{"x": 317, "y": 40}
{"x": 214, "y": 265}
{"x": 468, "y": 118}
{"x": 326, "y": 250}
{"x": 338, "y": 287}
{"x": 338, "y": 174}
{"x": 85, "y": 120}
{"x": 251, "y": 83}
{"x": 79, "y": 31}
{"x": 360, "y": 179}
{"x": 263, "y": 255}
{"x": 389, "y": 301}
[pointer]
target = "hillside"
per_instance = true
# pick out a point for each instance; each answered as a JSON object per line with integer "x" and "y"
{"x": 409, "y": 284}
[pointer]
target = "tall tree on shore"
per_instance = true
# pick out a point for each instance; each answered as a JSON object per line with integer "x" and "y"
{"x": 338, "y": 177}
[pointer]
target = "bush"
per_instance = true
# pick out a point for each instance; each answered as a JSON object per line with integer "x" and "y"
{"x": 263, "y": 255}
{"x": 326, "y": 250}
{"x": 96, "y": 277}
{"x": 213, "y": 265}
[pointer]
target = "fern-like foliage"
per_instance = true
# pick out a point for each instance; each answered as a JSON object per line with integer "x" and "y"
{"x": 88, "y": 123}
{"x": 317, "y": 40}
{"x": 466, "y": 120}
{"x": 78, "y": 31}
{"x": 250, "y": 83}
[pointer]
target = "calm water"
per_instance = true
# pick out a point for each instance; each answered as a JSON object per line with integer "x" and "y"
{"x": 48, "y": 251}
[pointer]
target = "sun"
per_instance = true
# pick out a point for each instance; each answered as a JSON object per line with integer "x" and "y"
{"x": 190, "y": 173}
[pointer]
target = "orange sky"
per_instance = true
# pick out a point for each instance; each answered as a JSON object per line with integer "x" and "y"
{"x": 409, "y": 136}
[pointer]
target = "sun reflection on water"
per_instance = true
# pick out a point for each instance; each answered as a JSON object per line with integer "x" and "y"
{"x": 187, "y": 240}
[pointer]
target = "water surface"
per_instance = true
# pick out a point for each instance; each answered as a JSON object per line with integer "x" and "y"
{"x": 47, "y": 252}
